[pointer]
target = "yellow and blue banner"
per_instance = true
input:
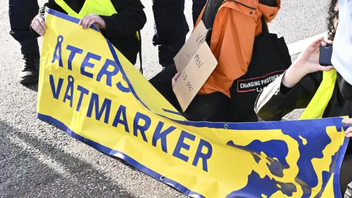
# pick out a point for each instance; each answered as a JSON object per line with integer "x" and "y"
{"x": 90, "y": 90}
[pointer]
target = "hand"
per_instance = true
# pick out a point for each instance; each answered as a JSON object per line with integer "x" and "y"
{"x": 92, "y": 19}
{"x": 174, "y": 79}
{"x": 308, "y": 60}
{"x": 38, "y": 25}
{"x": 306, "y": 63}
{"x": 348, "y": 132}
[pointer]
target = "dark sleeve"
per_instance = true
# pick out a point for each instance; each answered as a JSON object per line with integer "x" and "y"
{"x": 50, "y": 4}
{"x": 130, "y": 18}
{"x": 276, "y": 100}
{"x": 284, "y": 90}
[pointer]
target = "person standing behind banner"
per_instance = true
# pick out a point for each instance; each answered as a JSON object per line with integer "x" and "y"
{"x": 118, "y": 20}
{"x": 321, "y": 90}
{"x": 21, "y": 13}
{"x": 171, "y": 27}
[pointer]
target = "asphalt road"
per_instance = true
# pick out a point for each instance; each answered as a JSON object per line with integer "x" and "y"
{"x": 38, "y": 160}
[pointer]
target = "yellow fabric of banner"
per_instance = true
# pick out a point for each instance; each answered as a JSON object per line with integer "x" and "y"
{"x": 90, "y": 90}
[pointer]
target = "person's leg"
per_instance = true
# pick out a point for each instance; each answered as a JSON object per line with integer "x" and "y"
{"x": 197, "y": 9}
{"x": 21, "y": 14}
{"x": 162, "y": 83}
{"x": 171, "y": 29}
{"x": 209, "y": 107}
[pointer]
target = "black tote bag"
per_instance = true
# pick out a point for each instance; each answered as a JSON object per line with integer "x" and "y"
{"x": 270, "y": 58}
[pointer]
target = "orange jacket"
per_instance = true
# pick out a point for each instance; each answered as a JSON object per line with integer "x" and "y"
{"x": 235, "y": 27}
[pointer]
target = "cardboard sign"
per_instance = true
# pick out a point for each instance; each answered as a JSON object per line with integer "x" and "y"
{"x": 194, "y": 75}
{"x": 197, "y": 38}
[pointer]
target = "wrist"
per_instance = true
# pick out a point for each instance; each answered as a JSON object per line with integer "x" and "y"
{"x": 292, "y": 76}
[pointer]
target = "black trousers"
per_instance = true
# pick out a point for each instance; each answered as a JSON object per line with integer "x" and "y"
{"x": 171, "y": 27}
{"x": 208, "y": 107}
{"x": 21, "y": 13}
{"x": 197, "y": 9}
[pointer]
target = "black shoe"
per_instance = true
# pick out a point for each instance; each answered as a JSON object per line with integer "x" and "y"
{"x": 30, "y": 69}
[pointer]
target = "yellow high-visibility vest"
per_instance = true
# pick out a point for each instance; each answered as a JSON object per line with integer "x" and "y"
{"x": 320, "y": 101}
{"x": 99, "y": 7}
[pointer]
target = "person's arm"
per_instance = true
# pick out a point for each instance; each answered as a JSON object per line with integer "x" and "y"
{"x": 295, "y": 88}
{"x": 130, "y": 18}
{"x": 276, "y": 100}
